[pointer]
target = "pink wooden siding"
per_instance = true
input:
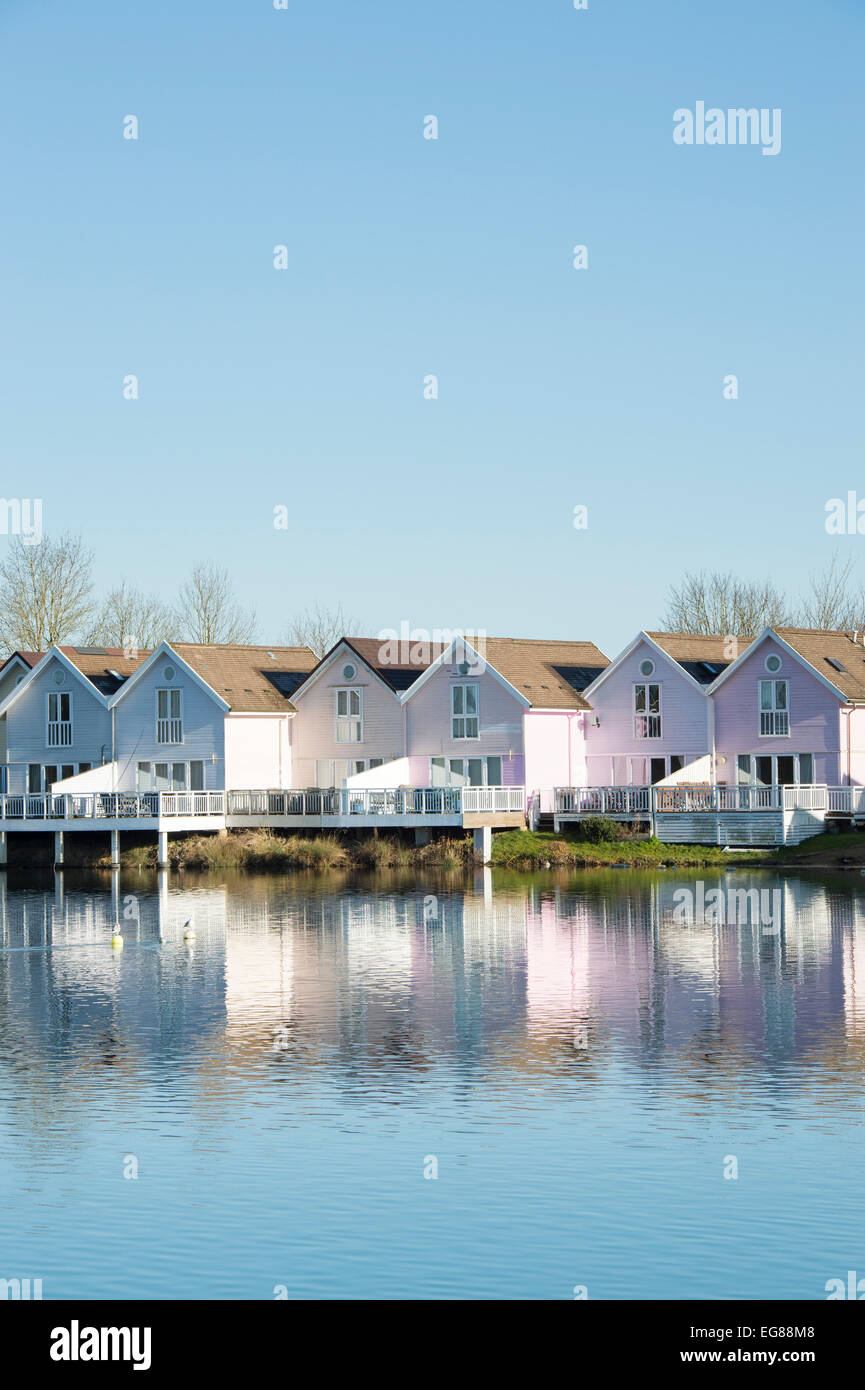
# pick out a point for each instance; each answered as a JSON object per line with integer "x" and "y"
{"x": 428, "y": 718}
{"x": 313, "y": 730}
{"x": 684, "y": 717}
{"x": 815, "y": 719}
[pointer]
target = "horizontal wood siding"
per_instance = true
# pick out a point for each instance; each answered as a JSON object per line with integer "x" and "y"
{"x": 26, "y": 725}
{"x": 203, "y": 725}
{"x": 428, "y": 715}
{"x": 314, "y": 729}
{"x": 684, "y": 713}
{"x": 814, "y": 716}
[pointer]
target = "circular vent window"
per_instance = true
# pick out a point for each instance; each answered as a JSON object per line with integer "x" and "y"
{"x": 348, "y": 672}
{"x": 647, "y": 668}
{"x": 773, "y": 662}
{"x": 169, "y": 673}
{"x": 59, "y": 677}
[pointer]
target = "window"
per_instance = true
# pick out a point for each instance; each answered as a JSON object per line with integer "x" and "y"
{"x": 466, "y": 772}
{"x": 647, "y": 711}
{"x": 42, "y": 779}
{"x": 647, "y": 668}
{"x": 782, "y": 770}
{"x": 59, "y": 734}
{"x": 331, "y": 772}
{"x": 349, "y": 715}
{"x": 170, "y": 777}
{"x": 4, "y": 779}
{"x": 169, "y": 716}
{"x": 774, "y": 709}
{"x": 464, "y": 710}
{"x": 772, "y": 662}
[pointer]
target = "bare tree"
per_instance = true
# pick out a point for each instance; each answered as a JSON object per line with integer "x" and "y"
{"x": 131, "y": 619}
{"x": 832, "y": 603}
{"x": 207, "y": 610}
{"x": 45, "y": 592}
{"x": 722, "y": 603}
{"x": 320, "y": 628}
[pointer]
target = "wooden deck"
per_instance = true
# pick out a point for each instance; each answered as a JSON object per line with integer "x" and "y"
{"x": 715, "y": 815}
{"x": 340, "y": 808}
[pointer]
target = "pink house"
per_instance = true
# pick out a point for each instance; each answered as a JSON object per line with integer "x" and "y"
{"x": 651, "y": 717}
{"x": 499, "y": 712}
{"x": 791, "y": 710}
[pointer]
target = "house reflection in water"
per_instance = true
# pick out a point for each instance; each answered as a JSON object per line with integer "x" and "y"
{"x": 365, "y": 975}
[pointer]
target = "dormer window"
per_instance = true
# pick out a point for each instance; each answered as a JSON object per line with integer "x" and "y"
{"x": 59, "y": 732}
{"x": 169, "y": 716}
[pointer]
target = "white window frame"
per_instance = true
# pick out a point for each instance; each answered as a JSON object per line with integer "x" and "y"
{"x": 778, "y": 717}
{"x": 59, "y": 732}
{"x": 644, "y": 728}
{"x": 343, "y": 723}
{"x": 76, "y": 768}
{"x": 752, "y": 768}
{"x": 171, "y": 763}
{"x": 448, "y": 773}
{"x": 460, "y": 716}
{"x": 169, "y": 726}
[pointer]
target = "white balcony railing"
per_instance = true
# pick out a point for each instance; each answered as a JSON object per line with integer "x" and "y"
{"x": 169, "y": 731}
{"x": 369, "y": 801}
{"x": 647, "y": 726}
{"x": 602, "y": 801}
{"x": 632, "y": 801}
{"x": 59, "y": 733}
{"x": 774, "y": 723}
{"x": 111, "y": 805}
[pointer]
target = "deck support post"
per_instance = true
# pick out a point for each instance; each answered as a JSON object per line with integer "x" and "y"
{"x": 484, "y": 842}
{"x": 58, "y": 849}
{"x": 115, "y": 849}
{"x": 4, "y": 849}
{"x": 421, "y": 834}
{"x": 162, "y": 849}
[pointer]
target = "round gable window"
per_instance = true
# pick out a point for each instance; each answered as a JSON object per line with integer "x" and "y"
{"x": 773, "y": 662}
{"x": 647, "y": 668}
{"x": 60, "y": 677}
{"x": 349, "y": 672}
{"x": 169, "y": 673}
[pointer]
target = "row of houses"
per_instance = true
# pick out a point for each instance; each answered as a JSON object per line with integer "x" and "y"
{"x": 534, "y": 721}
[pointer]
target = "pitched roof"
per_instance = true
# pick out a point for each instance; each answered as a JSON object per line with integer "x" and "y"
{"x": 703, "y": 656}
{"x": 551, "y": 675}
{"x": 250, "y": 679}
{"x": 822, "y": 649}
{"x": 105, "y": 667}
{"x": 30, "y": 659}
{"x": 413, "y": 658}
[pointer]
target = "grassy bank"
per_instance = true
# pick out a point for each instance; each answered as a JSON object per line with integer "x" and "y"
{"x": 525, "y": 849}
{"x": 265, "y": 849}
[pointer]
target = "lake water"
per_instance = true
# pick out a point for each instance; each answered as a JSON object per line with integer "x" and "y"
{"x": 578, "y": 1065}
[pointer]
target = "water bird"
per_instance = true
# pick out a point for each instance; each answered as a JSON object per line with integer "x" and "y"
{"x": 188, "y": 930}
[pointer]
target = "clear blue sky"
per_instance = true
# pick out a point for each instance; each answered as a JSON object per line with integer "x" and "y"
{"x": 410, "y": 256}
